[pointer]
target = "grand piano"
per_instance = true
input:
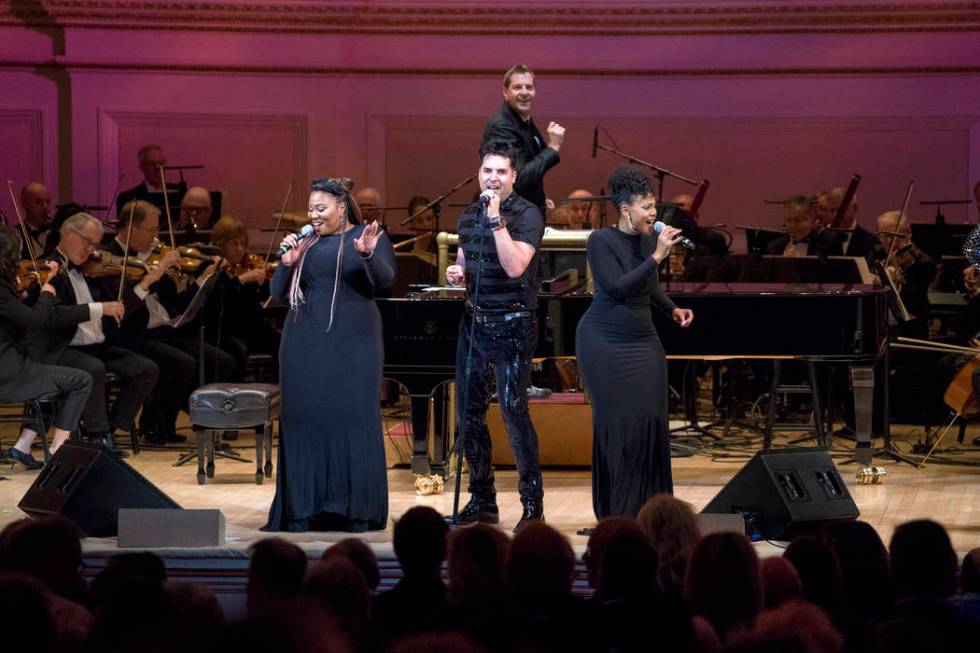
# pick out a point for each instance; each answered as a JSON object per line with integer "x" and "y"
{"x": 842, "y": 323}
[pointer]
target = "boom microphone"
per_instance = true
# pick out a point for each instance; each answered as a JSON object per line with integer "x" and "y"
{"x": 659, "y": 226}
{"x": 300, "y": 235}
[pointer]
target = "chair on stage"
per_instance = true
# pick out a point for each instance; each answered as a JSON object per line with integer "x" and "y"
{"x": 31, "y": 416}
{"x": 219, "y": 407}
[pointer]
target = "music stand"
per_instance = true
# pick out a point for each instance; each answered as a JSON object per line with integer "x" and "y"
{"x": 188, "y": 316}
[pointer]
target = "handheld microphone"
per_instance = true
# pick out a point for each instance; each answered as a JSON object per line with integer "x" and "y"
{"x": 595, "y": 140}
{"x": 659, "y": 226}
{"x": 484, "y": 199}
{"x": 307, "y": 230}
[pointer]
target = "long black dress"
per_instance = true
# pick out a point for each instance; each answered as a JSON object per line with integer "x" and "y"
{"x": 625, "y": 372}
{"x": 331, "y": 473}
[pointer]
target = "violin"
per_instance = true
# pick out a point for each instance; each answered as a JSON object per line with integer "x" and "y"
{"x": 27, "y": 276}
{"x": 191, "y": 259}
{"x": 251, "y": 262}
{"x": 105, "y": 264}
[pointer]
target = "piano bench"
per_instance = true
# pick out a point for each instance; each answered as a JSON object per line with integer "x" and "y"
{"x": 219, "y": 407}
{"x": 564, "y": 425}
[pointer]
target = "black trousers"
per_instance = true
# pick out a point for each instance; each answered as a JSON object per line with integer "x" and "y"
{"x": 506, "y": 347}
{"x": 139, "y": 375}
{"x": 73, "y": 385}
{"x": 176, "y": 352}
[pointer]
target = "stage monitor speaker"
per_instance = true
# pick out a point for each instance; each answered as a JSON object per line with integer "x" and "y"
{"x": 784, "y": 492}
{"x": 86, "y": 485}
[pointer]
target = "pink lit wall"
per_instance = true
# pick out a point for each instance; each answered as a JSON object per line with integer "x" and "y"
{"x": 397, "y": 99}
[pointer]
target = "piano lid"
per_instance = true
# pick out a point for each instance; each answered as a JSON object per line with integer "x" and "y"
{"x": 705, "y": 288}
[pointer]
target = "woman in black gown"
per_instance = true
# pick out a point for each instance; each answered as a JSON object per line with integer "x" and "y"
{"x": 331, "y": 473}
{"x": 620, "y": 356}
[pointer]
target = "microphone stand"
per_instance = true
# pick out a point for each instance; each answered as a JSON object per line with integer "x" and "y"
{"x": 657, "y": 170}
{"x": 459, "y": 446}
{"x": 437, "y": 200}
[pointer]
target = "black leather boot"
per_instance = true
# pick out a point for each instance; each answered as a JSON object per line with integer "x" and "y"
{"x": 533, "y": 511}
{"x": 479, "y": 509}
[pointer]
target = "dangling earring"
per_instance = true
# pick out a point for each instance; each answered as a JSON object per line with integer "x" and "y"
{"x": 629, "y": 221}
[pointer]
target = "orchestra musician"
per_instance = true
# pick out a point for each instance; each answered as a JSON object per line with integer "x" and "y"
{"x": 369, "y": 200}
{"x": 195, "y": 209}
{"x": 21, "y": 378}
{"x": 855, "y": 240}
{"x": 150, "y": 332}
{"x": 36, "y": 200}
{"x": 504, "y": 329}
{"x": 332, "y": 473}
{"x": 151, "y": 157}
{"x": 85, "y": 335}
{"x": 820, "y": 212}
{"x": 911, "y": 270}
{"x": 579, "y": 214}
{"x": 620, "y": 354}
{"x": 234, "y": 318}
{"x": 513, "y": 123}
{"x": 801, "y": 238}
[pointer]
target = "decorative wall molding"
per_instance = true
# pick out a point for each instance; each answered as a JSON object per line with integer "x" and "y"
{"x": 27, "y": 127}
{"x": 168, "y": 68}
{"x": 532, "y": 18}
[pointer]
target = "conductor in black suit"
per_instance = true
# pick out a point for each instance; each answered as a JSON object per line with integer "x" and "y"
{"x": 512, "y": 123}
{"x": 151, "y": 190}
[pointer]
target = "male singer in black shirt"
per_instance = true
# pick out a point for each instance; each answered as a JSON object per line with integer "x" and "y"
{"x": 502, "y": 313}
{"x": 513, "y": 123}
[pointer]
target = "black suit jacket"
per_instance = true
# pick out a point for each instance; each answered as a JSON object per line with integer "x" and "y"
{"x": 175, "y": 191}
{"x": 817, "y": 243}
{"x": 48, "y": 343}
{"x": 861, "y": 243}
{"x": 538, "y": 158}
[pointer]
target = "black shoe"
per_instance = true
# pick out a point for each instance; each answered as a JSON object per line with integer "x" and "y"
{"x": 533, "y": 511}
{"x": 108, "y": 443}
{"x": 25, "y": 459}
{"x": 479, "y": 510}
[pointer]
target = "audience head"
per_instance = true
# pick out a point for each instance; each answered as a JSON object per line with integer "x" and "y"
{"x": 608, "y": 529}
{"x": 819, "y": 572}
{"x": 24, "y": 606}
{"x": 197, "y": 611}
{"x": 36, "y": 201}
{"x": 519, "y": 90}
{"x": 970, "y": 572}
{"x": 125, "y": 567}
{"x": 420, "y": 541}
{"x": 579, "y": 213}
{"x": 195, "y": 207}
{"x": 795, "y": 626}
{"x": 628, "y": 570}
{"x": 796, "y": 217}
{"x": 135, "y": 614}
{"x": 358, "y": 552}
{"x": 150, "y": 159}
{"x": 923, "y": 561}
{"x": 673, "y": 530}
{"x": 864, "y": 567}
{"x": 723, "y": 583}
{"x": 275, "y": 576}
{"x": 477, "y": 564}
{"x": 369, "y": 199}
{"x": 780, "y": 582}
{"x": 339, "y": 588}
{"x": 48, "y": 549}
{"x": 542, "y": 563}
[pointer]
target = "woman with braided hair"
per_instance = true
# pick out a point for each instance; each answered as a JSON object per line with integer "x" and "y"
{"x": 331, "y": 473}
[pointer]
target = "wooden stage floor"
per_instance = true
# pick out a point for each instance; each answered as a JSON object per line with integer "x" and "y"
{"x": 949, "y": 493}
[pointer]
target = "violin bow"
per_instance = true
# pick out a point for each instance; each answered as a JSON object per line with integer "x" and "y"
{"x": 166, "y": 206}
{"x": 129, "y": 234}
{"x": 275, "y": 232}
{"x": 23, "y": 229}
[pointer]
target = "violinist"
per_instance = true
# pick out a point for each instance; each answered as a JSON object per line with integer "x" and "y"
{"x": 88, "y": 317}
{"x": 855, "y": 240}
{"x": 36, "y": 200}
{"x": 21, "y": 378}
{"x": 911, "y": 270}
{"x": 175, "y": 351}
{"x": 234, "y": 316}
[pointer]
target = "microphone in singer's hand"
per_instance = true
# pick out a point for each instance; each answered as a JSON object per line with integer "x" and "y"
{"x": 485, "y": 198}
{"x": 300, "y": 235}
{"x": 659, "y": 226}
